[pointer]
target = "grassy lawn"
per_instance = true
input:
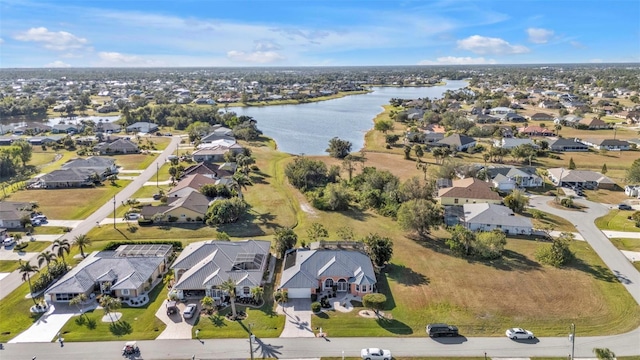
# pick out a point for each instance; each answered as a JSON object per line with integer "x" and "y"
{"x": 626, "y": 244}
{"x": 264, "y": 322}
{"x": 134, "y": 161}
{"x": 187, "y": 232}
{"x": 485, "y": 298}
{"x": 135, "y": 324}
{"x": 558, "y": 223}
{"x": 35, "y": 246}
{"x": 605, "y": 196}
{"x": 48, "y": 230}
{"x": 148, "y": 191}
{"x": 70, "y": 204}
{"x": 617, "y": 220}
{"x": 8, "y": 266}
{"x": 18, "y": 306}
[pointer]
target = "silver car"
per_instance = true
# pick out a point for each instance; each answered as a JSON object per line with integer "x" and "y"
{"x": 189, "y": 311}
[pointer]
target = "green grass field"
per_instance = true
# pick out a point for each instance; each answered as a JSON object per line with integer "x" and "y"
{"x": 627, "y": 244}
{"x": 617, "y": 220}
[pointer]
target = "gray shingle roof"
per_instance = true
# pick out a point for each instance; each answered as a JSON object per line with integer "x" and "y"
{"x": 123, "y": 272}
{"x": 310, "y": 265}
{"x": 492, "y": 214}
{"x": 210, "y": 263}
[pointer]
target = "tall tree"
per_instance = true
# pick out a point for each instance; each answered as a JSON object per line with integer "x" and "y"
{"x": 420, "y": 215}
{"x": 383, "y": 125}
{"x": 46, "y": 257}
{"x": 633, "y": 172}
{"x": 572, "y": 165}
{"x": 604, "y": 169}
{"x": 461, "y": 240}
{"x": 78, "y": 300}
{"x": 257, "y": 293}
{"x": 26, "y": 269}
{"x": 109, "y": 304}
{"x": 516, "y": 201}
{"x": 82, "y": 241}
{"x": 286, "y": 239}
{"x": 339, "y": 148}
{"x": 380, "y": 249}
{"x": 61, "y": 247}
{"x": 229, "y": 287}
{"x": 317, "y": 232}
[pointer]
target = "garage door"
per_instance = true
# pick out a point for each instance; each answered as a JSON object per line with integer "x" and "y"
{"x": 299, "y": 293}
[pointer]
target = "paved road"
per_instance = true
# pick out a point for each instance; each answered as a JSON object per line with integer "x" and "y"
{"x": 584, "y": 222}
{"x": 287, "y": 348}
{"x": 12, "y": 281}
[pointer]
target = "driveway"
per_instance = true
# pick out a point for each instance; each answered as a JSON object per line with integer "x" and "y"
{"x": 49, "y": 325}
{"x": 298, "y": 323}
{"x": 177, "y": 327}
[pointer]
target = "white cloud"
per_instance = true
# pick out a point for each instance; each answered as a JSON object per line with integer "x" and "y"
{"x": 59, "y": 41}
{"x": 452, "y": 60}
{"x": 577, "y": 45}
{"x": 118, "y": 59}
{"x": 258, "y": 57}
{"x": 539, "y": 35}
{"x": 57, "y": 64}
{"x": 487, "y": 45}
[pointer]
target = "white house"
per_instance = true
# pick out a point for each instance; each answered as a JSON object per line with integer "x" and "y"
{"x": 632, "y": 190}
{"x": 489, "y": 217}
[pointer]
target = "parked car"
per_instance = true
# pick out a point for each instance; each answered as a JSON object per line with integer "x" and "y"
{"x": 157, "y": 196}
{"x": 439, "y": 329}
{"x": 189, "y": 311}
{"x": 519, "y": 334}
{"x": 8, "y": 242}
{"x": 375, "y": 354}
{"x": 133, "y": 216}
{"x": 624, "y": 207}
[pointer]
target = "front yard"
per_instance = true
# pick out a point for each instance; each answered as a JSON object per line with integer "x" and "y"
{"x": 71, "y": 203}
{"x": 617, "y": 220}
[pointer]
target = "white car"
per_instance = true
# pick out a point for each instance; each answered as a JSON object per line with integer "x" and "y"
{"x": 189, "y": 311}
{"x": 519, "y": 334}
{"x": 375, "y": 354}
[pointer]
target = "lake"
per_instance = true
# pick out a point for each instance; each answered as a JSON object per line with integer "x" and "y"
{"x": 307, "y": 128}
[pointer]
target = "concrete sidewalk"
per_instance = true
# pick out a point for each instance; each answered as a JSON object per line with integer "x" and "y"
{"x": 621, "y": 234}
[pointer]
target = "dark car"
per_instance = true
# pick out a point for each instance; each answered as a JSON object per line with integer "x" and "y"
{"x": 624, "y": 207}
{"x": 436, "y": 330}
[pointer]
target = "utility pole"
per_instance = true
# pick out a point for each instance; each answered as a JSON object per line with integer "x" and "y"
{"x": 572, "y": 338}
{"x": 251, "y": 338}
{"x": 114, "y": 211}
{"x": 157, "y": 170}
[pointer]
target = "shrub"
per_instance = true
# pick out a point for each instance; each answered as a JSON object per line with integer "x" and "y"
{"x": 314, "y": 297}
{"x": 374, "y": 301}
{"x": 316, "y": 307}
{"x": 567, "y": 202}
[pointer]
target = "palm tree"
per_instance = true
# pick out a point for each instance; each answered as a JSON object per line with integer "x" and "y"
{"x": 257, "y": 293}
{"x": 558, "y": 127}
{"x": 47, "y": 257}
{"x": 26, "y": 269}
{"x": 208, "y": 303}
{"x": 82, "y": 241}
{"x": 78, "y": 300}
{"x": 109, "y": 304}
{"x": 61, "y": 247}
{"x": 229, "y": 287}
{"x": 604, "y": 354}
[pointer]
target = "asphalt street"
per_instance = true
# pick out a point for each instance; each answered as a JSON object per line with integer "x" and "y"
{"x": 584, "y": 220}
{"x": 13, "y": 280}
{"x": 295, "y": 348}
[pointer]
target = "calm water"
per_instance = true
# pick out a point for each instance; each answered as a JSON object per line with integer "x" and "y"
{"x": 307, "y": 128}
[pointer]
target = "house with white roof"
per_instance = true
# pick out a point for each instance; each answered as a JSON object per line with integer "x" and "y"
{"x": 489, "y": 217}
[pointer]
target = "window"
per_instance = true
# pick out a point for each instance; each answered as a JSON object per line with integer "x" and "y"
{"x": 246, "y": 290}
{"x": 358, "y": 288}
{"x": 455, "y": 201}
{"x": 328, "y": 283}
{"x": 125, "y": 291}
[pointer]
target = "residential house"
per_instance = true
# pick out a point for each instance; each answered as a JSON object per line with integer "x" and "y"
{"x": 189, "y": 208}
{"x": 548, "y": 104}
{"x": 584, "y": 178}
{"x": 107, "y": 108}
{"x": 608, "y": 144}
{"x": 524, "y": 177}
{"x": 189, "y": 183}
{"x": 102, "y": 166}
{"x": 66, "y": 129}
{"x": 633, "y": 117}
{"x": 568, "y": 120}
{"x": 216, "y": 151}
{"x": 142, "y": 127}
{"x": 11, "y": 212}
{"x": 202, "y": 168}
{"x": 510, "y": 143}
{"x": 218, "y": 133}
{"x": 128, "y": 273}
{"x": 45, "y": 140}
{"x": 513, "y": 117}
{"x": 119, "y": 146}
{"x": 489, "y": 217}
{"x": 457, "y": 142}
{"x": 594, "y": 124}
{"x": 501, "y": 110}
{"x": 541, "y": 117}
{"x": 107, "y": 127}
{"x": 562, "y": 144}
{"x": 483, "y": 119}
{"x": 535, "y": 131}
{"x": 306, "y": 272}
{"x": 203, "y": 267}
{"x": 632, "y": 191}
{"x": 468, "y": 191}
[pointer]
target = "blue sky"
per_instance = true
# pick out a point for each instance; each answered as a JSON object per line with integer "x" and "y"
{"x": 154, "y": 33}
